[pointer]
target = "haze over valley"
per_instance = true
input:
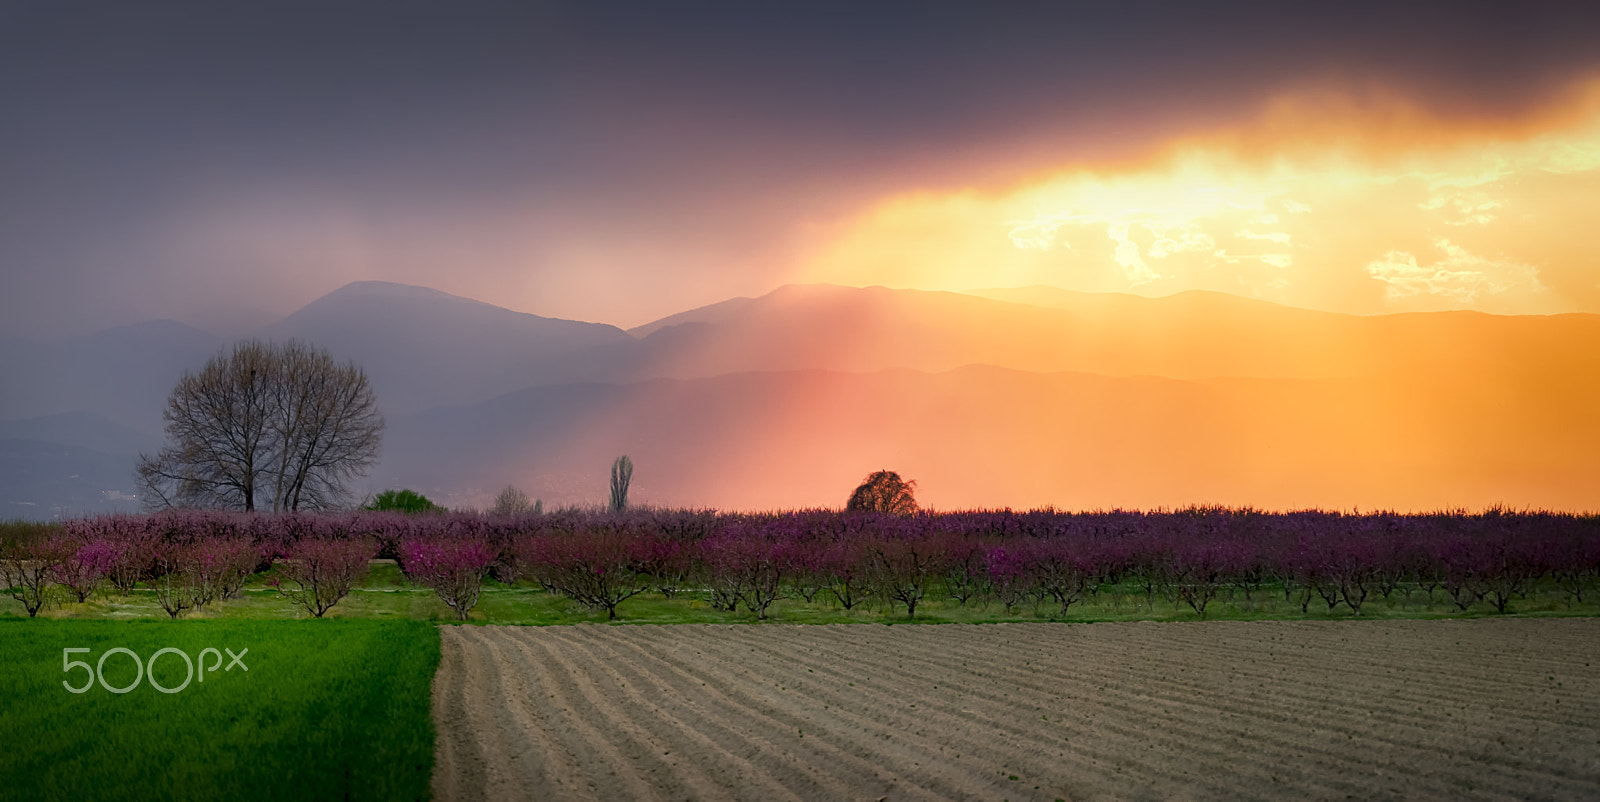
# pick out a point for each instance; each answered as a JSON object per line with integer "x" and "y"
{"x": 1026, "y": 398}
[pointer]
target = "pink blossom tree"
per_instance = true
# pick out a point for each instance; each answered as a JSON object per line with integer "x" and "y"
{"x": 905, "y": 565}
{"x": 750, "y": 565}
{"x": 83, "y": 563}
{"x": 1010, "y": 574}
{"x": 598, "y": 567}
{"x": 173, "y": 577}
{"x": 135, "y": 549}
{"x": 221, "y": 566}
{"x": 454, "y": 567}
{"x": 323, "y": 570}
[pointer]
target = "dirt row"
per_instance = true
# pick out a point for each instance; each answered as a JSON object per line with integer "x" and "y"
{"x": 1469, "y": 709}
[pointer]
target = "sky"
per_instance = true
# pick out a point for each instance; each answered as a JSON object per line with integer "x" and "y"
{"x": 221, "y": 163}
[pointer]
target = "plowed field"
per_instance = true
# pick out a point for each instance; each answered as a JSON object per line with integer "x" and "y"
{"x": 1371, "y": 710}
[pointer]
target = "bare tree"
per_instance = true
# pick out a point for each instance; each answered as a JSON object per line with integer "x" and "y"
{"x": 216, "y": 424}
{"x": 511, "y": 501}
{"x": 325, "y": 420}
{"x": 25, "y": 570}
{"x": 884, "y": 491}
{"x": 264, "y": 425}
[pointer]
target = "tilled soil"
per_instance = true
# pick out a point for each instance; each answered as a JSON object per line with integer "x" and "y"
{"x": 1502, "y": 708}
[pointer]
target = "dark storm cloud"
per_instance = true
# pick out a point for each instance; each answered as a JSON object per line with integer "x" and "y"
{"x": 698, "y": 127}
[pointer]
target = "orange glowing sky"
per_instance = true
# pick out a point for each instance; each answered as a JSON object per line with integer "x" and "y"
{"x": 1320, "y": 202}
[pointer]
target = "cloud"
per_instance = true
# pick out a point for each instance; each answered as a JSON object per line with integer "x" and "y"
{"x": 1458, "y": 207}
{"x": 1273, "y": 236}
{"x": 1038, "y": 233}
{"x": 1456, "y": 218}
{"x": 1461, "y": 277}
{"x": 1127, "y": 256}
{"x": 1572, "y": 157}
{"x": 1190, "y": 239}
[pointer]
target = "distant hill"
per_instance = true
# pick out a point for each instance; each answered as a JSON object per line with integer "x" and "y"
{"x": 721, "y": 312}
{"x": 1032, "y": 396}
{"x": 1191, "y": 335}
{"x": 423, "y": 348}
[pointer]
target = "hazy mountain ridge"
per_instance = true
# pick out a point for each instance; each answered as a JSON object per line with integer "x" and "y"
{"x": 1192, "y": 335}
{"x": 424, "y": 348}
{"x": 478, "y": 395}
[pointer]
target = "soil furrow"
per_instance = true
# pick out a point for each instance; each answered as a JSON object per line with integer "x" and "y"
{"x": 600, "y": 754}
{"x": 1341, "y": 720}
{"x": 1473, "y": 709}
{"x": 647, "y": 757}
{"x": 1316, "y": 740}
{"x": 762, "y": 771}
{"x": 813, "y": 728}
{"x": 1118, "y": 725}
{"x": 515, "y": 701}
{"x": 958, "y": 708}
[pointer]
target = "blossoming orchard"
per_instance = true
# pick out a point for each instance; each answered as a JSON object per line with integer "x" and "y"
{"x": 1050, "y": 560}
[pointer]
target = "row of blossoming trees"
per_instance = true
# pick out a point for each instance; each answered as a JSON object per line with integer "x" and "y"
{"x": 190, "y": 559}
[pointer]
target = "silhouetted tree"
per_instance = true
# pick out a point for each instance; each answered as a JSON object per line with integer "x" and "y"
{"x": 884, "y": 491}
{"x": 264, "y": 426}
{"x": 511, "y": 501}
{"x": 621, "y": 476}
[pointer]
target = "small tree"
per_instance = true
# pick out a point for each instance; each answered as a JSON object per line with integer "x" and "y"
{"x": 621, "y": 476}
{"x": 667, "y": 561}
{"x": 511, "y": 501}
{"x": 26, "y": 570}
{"x": 1201, "y": 571}
{"x": 748, "y": 567}
{"x": 454, "y": 568}
{"x": 1010, "y": 574}
{"x": 135, "y": 550}
{"x": 884, "y": 491}
{"x": 409, "y": 501}
{"x": 904, "y": 568}
{"x": 83, "y": 564}
{"x": 846, "y": 566}
{"x": 1064, "y": 571}
{"x": 597, "y": 567}
{"x": 173, "y": 577}
{"x": 324, "y": 570}
{"x": 220, "y": 566}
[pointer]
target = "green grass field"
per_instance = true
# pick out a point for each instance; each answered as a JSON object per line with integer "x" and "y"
{"x": 324, "y": 710}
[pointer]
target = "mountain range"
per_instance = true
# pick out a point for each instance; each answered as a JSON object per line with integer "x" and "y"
{"x": 1016, "y": 397}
